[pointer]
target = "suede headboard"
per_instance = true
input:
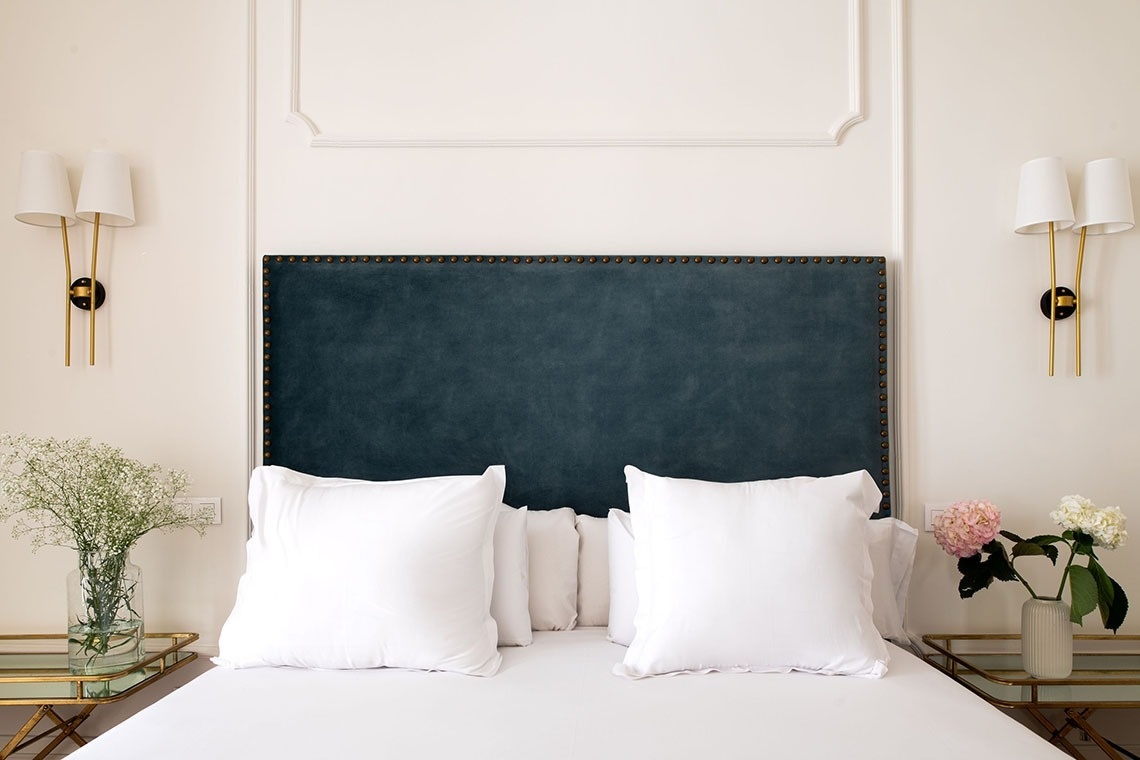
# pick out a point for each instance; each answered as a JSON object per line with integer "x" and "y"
{"x": 565, "y": 369}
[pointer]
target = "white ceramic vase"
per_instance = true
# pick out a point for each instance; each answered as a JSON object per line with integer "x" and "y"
{"x": 1046, "y": 638}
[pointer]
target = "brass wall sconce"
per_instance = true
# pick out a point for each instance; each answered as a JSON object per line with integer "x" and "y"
{"x": 1104, "y": 206}
{"x": 105, "y": 198}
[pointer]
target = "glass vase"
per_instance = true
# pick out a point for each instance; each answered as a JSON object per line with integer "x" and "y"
{"x": 104, "y": 615}
{"x": 1046, "y": 638}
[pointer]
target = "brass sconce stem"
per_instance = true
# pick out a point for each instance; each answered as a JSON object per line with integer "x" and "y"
{"x": 66, "y": 295}
{"x": 1077, "y": 289}
{"x": 95, "y": 260}
{"x": 1052, "y": 295}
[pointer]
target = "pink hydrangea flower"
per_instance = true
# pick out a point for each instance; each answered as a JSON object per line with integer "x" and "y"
{"x": 966, "y": 526}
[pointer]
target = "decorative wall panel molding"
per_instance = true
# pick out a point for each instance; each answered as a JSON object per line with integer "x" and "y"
{"x": 502, "y": 73}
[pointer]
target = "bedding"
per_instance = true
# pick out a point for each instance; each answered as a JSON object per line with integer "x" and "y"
{"x": 593, "y": 570}
{"x": 565, "y": 369}
{"x": 891, "y": 545}
{"x": 553, "y": 562}
{"x": 510, "y": 594}
{"x": 346, "y": 574}
{"x": 762, "y": 576}
{"x": 557, "y": 700}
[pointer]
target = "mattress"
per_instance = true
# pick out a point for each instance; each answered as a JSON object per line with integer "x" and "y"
{"x": 558, "y": 700}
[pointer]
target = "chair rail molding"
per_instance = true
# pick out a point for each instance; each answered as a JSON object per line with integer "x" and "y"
{"x": 850, "y": 113}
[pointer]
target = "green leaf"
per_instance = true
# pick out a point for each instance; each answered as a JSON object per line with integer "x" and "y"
{"x": 1028, "y": 549}
{"x": 1012, "y": 536}
{"x": 1083, "y": 544}
{"x": 1119, "y": 609}
{"x": 975, "y": 576}
{"x": 1103, "y": 582}
{"x": 1082, "y": 593}
{"x": 1046, "y": 544}
{"x": 998, "y": 562}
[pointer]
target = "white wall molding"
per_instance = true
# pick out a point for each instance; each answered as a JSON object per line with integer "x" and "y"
{"x": 899, "y": 284}
{"x": 825, "y": 137}
{"x": 253, "y": 339}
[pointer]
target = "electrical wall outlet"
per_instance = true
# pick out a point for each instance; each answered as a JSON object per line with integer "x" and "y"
{"x": 932, "y": 511}
{"x": 198, "y": 502}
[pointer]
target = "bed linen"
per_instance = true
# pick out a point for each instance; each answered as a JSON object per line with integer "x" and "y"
{"x": 557, "y": 700}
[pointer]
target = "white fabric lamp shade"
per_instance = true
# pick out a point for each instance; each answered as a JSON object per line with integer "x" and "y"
{"x": 1104, "y": 205}
{"x": 44, "y": 194}
{"x": 1043, "y": 197}
{"x": 106, "y": 190}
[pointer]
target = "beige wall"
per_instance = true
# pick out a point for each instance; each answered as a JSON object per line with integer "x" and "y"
{"x": 983, "y": 87}
{"x": 164, "y": 83}
{"x": 992, "y": 85}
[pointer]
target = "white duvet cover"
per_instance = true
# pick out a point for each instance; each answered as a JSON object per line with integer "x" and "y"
{"x": 558, "y": 700}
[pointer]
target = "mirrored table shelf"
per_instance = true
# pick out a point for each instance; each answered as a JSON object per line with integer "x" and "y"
{"x": 1106, "y": 674}
{"x": 34, "y": 671}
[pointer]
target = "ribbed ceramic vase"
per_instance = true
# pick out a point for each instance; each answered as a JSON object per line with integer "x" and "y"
{"x": 1046, "y": 638}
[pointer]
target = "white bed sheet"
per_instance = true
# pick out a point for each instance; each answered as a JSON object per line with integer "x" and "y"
{"x": 557, "y": 700}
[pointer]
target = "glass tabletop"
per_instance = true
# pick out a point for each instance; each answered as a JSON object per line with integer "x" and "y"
{"x": 33, "y": 670}
{"x": 1106, "y": 670}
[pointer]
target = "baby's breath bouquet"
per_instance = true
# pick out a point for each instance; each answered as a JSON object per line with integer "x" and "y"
{"x": 91, "y": 498}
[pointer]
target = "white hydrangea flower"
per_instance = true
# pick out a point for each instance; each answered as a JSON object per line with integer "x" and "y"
{"x": 1106, "y": 526}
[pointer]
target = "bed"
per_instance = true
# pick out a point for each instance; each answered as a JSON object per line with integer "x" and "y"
{"x": 572, "y": 507}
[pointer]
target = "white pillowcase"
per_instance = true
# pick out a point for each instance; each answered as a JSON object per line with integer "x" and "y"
{"x": 766, "y": 576}
{"x": 623, "y": 578}
{"x": 510, "y": 599}
{"x": 891, "y": 544}
{"x": 553, "y": 562}
{"x": 593, "y": 570}
{"x": 350, "y": 574}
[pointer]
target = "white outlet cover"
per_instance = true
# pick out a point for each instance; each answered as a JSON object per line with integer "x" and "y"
{"x": 932, "y": 511}
{"x": 214, "y": 502}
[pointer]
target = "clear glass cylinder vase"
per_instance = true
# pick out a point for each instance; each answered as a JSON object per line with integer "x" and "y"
{"x": 1046, "y": 638}
{"x": 104, "y": 614}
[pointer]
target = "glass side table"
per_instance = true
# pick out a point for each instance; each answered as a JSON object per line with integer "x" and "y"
{"x": 33, "y": 671}
{"x": 1106, "y": 674}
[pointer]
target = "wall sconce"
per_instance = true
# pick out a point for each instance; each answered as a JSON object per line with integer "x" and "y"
{"x": 1044, "y": 205}
{"x": 105, "y": 197}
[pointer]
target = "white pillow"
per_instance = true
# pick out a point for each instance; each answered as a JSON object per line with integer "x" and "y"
{"x": 766, "y": 576}
{"x": 623, "y": 582}
{"x": 891, "y": 544}
{"x": 593, "y": 570}
{"x": 553, "y": 562}
{"x": 510, "y": 598}
{"x": 350, "y": 574}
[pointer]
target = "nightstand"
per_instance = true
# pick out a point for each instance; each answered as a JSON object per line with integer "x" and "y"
{"x": 32, "y": 674}
{"x": 1106, "y": 674}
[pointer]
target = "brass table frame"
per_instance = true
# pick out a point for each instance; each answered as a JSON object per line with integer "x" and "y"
{"x": 84, "y": 691}
{"x": 1077, "y": 711}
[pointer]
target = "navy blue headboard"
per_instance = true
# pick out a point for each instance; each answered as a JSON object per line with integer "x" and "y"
{"x": 565, "y": 369}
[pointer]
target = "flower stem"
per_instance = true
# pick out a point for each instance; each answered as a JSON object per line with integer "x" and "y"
{"x": 1065, "y": 575}
{"x": 1024, "y": 582}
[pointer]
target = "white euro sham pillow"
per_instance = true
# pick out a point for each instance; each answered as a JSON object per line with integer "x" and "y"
{"x": 891, "y": 544}
{"x": 765, "y": 576}
{"x": 552, "y": 549}
{"x": 623, "y": 581}
{"x": 593, "y": 571}
{"x": 510, "y": 597}
{"x": 353, "y": 574}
